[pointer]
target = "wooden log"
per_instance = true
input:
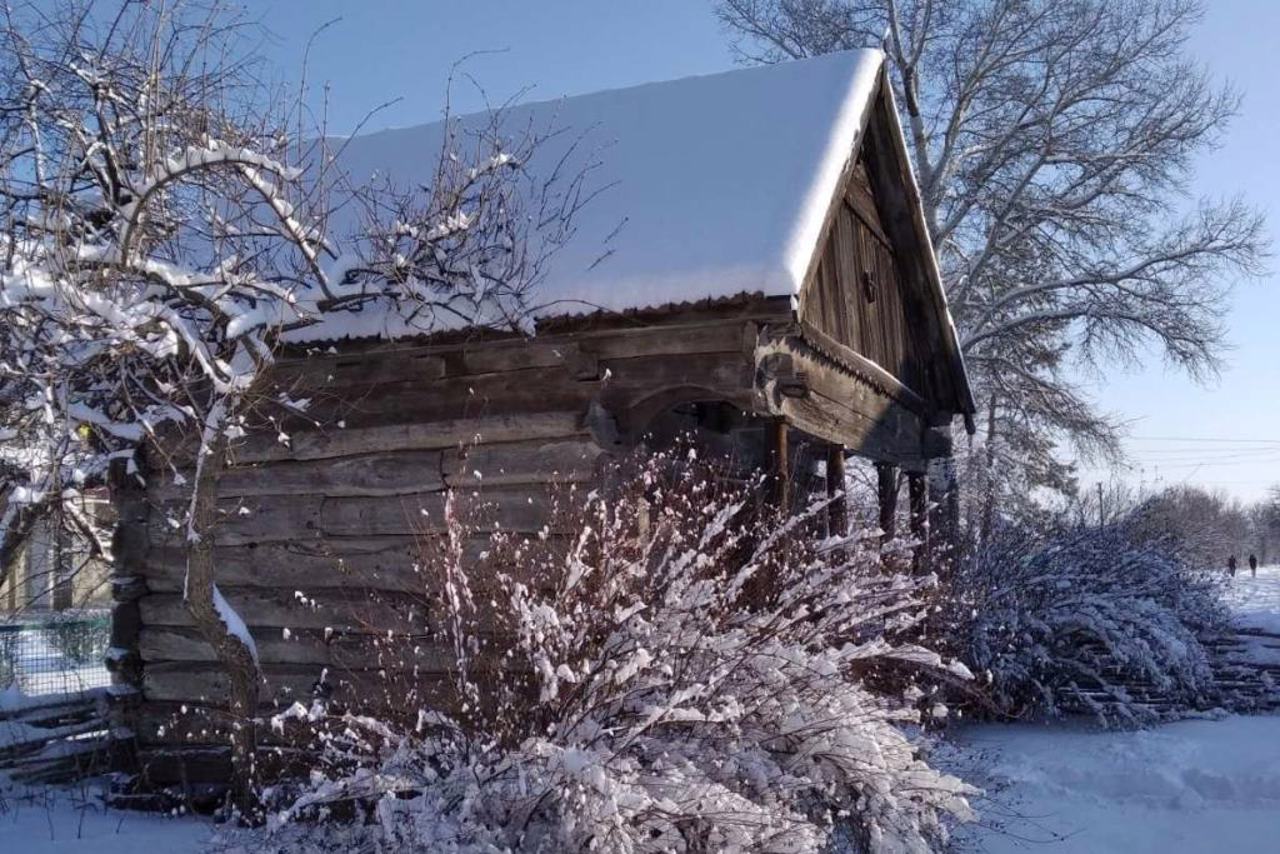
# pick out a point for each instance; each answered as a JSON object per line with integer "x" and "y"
{"x": 887, "y": 493}
{"x": 777, "y": 455}
{"x": 516, "y": 509}
{"x": 918, "y": 501}
{"x": 206, "y": 687}
{"x": 838, "y": 510}
{"x": 268, "y": 611}
{"x": 403, "y": 472}
{"x": 268, "y": 518}
{"x": 348, "y": 370}
{"x": 390, "y": 563}
{"x": 840, "y": 408}
{"x": 347, "y": 609}
{"x": 329, "y": 441}
{"x": 414, "y": 653}
{"x": 380, "y": 562}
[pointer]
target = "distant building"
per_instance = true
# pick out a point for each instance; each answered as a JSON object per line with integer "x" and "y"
{"x": 56, "y": 572}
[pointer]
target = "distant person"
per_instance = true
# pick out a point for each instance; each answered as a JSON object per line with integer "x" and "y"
{"x": 1253, "y": 565}
{"x": 1231, "y": 566}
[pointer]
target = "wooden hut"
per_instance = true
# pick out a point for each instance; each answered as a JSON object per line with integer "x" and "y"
{"x": 767, "y": 282}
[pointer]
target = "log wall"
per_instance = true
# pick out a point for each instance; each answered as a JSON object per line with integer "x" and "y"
{"x": 318, "y": 540}
{"x": 324, "y": 514}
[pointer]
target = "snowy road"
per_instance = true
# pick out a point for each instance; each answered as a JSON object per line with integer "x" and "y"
{"x": 1189, "y": 787}
{"x": 1256, "y": 601}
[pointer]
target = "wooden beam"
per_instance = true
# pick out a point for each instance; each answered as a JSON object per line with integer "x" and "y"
{"x": 918, "y": 500}
{"x": 887, "y": 482}
{"x": 838, "y": 509}
{"x": 839, "y": 407}
{"x": 776, "y": 453}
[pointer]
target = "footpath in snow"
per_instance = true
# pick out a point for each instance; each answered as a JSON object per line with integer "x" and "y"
{"x": 1184, "y": 788}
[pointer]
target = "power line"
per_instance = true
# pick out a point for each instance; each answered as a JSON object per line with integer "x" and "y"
{"x": 1204, "y": 439}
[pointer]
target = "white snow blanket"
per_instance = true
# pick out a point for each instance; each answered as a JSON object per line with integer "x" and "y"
{"x": 705, "y": 187}
{"x": 57, "y": 820}
{"x": 1255, "y": 602}
{"x": 1184, "y": 788}
{"x": 1188, "y": 787}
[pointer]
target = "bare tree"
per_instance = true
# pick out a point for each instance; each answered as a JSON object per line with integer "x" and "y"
{"x": 156, "y": 249}
{"x": 1053, "y": 142}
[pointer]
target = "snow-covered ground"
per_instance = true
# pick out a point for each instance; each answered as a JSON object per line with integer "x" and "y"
{"x": 1064, "y": 788}
{"x": 1188, "y": 787}
{"x": 56, "y": 820}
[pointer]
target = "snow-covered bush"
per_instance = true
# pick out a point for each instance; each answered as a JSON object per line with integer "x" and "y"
{"x": 676, "y": 674}
{"x": 1090, "y": 619}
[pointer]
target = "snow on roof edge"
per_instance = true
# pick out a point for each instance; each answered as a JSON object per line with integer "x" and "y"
{"x": 850, "y": 122}
{"x": 766, "y": 148}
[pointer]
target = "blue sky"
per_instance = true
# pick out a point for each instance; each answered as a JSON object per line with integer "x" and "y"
{"x": 1221, "y": 435}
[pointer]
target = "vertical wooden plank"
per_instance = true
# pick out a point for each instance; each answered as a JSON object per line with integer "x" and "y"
{"x": 776, "y": 449}
{"x": 838, "y": 509}
{"x": 887, "y": 489}
{"x": 918, "y": 501}
{"x": 850, "y": 267}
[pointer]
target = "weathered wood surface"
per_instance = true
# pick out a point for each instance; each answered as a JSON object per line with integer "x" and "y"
{"x": 384, "y": 399}
{"x": 346, "y": 609}
{"x": 299, "y": 518}
{"x": 840, "y": 407}
{"x": 285, "y": 684}
{"x": 321, "y": 537}
{"x": 390, "y": 563}
{"x": 336, "y": 609}
{"x": 405, "y": 472}
{"x": 328, "y": 441}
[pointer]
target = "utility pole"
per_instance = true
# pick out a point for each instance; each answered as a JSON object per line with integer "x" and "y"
{"x": 1102, "y": 521}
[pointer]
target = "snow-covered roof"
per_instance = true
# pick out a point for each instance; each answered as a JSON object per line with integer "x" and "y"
{"x": 711, "y": 186}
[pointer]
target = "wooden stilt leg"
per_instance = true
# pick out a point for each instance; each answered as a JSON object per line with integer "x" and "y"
{"x": 887, "y": 481}
{"x": 779, "y": 484}
{"x": 918, "y": 499}
{"x": 838, "y": 509}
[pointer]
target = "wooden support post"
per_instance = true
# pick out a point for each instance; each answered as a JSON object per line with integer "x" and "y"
{"x": 887, "y": 482}
{"x": 777, "y": 454}
{"x": 838, "y": 509}
{"x": 918, "y": 500}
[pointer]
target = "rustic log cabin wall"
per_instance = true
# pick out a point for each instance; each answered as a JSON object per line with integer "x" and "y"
{"x": 794, "y": 358}
{"x": 320, "y": 535}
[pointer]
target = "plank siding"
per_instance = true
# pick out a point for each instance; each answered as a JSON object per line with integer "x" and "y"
{"x": 321, "y": 535}
{"x": 860, "y": 295}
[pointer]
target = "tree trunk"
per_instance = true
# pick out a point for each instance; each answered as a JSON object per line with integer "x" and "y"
{"x": 989, "y": 474}
{"x": 209, "y": 611}
{"x": 944, "y": 518}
